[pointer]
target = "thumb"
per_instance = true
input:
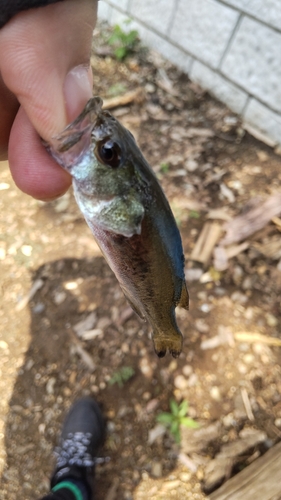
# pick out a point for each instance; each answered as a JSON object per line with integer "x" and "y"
{"x": 44, "y": 58}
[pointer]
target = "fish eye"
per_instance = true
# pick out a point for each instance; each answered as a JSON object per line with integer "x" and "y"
{"x": 109, "y": 153}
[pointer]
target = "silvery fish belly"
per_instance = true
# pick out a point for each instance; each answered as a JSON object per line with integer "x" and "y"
{"x": 129, "y": 216}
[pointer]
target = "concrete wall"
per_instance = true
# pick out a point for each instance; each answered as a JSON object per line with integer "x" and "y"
{"x": 232, "y": 48}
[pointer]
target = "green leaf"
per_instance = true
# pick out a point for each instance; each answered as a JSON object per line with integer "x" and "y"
{"x": 193, "y": 214}
{"x": 164, "y": 167}
{"x": 120, "y": 53}
{"x": 174, "y": 427}
{"x": 131, "y": 37}
{"x": 189, "y": 422}
{"x": 177, "y": 436}
{"x": 174, "y": 407}
{"x": 113, "y": 39}
{"x": 165, "y": 418}
{"x": 183, "y": 408}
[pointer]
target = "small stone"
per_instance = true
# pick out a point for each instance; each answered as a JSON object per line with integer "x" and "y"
{"x": 277, "y": 422}
{"x": 215, "y": 393}
{"x": 38, "y": 308}
{"x": 145, "y": 368}
{"x": 146, "y": 396}
{"x": 4, "y": 345}
{"x": 247, "y": 283}
{"x": 152, "y": 405}
{"x": 228, "y": 420}
{"x": 248, "y": 358}
{"x": 50, "y": 385}
{"x": 185, "y": 477}
{"x": 172, "y": 366}
{"x": 26, "y": 250}
{"x": 242, "y": 368}
{"x": 110, "y": 426}
{"x": 180, "y": 382}
{"x": 59, "y": 297}
{"x": 249, "y": 313}
{"x": 150, "y": 88}
{"x": 187, "y": 370}
{"x": 71, "y": 285}
{"x": 205, "y": 308}
{"x": 239, "y": 297}
{"x": 2, "y": 253}
{"x": 156, "y": 469}
{"x": 271, "y": 320}
{"x": 192, "y": 381}
{"x": 193, "y": 274}
{"x": 201, "y": 326}
{"x": 243, "y": 347}
{"x": 200, "y": 474}
{"x": 157, "y": 432}
{"x": 191, "y": 165}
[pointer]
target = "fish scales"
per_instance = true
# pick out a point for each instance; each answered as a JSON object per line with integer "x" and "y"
{"x": 129, "y": 216}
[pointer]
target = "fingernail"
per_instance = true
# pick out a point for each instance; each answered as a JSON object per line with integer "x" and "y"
{"x": 77, "y": 90}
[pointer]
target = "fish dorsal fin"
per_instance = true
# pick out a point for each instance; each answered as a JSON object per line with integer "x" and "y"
{"x": 184, "y": 299}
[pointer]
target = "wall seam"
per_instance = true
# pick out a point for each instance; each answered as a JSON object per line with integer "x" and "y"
{"x": 251, "y": 16}
{"x": 231, "y": 38}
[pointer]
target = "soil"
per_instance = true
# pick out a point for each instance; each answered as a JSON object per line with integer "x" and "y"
{"x": 53, "y": 277}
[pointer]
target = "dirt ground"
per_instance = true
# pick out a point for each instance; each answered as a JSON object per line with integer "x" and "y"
{"x": 67, "y": 330}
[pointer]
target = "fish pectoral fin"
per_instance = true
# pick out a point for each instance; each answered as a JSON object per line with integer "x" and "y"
{"x": 122, "y": 215}
{"x": 184, "y": 298}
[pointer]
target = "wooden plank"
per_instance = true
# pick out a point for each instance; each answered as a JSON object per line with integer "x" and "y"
{"x": 259, "y": 481}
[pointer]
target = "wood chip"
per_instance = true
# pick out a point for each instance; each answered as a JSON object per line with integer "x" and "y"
{"x": 219, "y": 213}
{"x": 199, "y": 132}
{"x": 35, "y": 287}
{"x": 187, "y": 462}
{"x": 111, "y": 494}
{"x": 85, "y": 357}
{"x": 223, "y": 254}
{"x": 164, "y": 83}
{"x": 206, "y": 242}
{"x": 270, "y": 248}
{"x": 277, "y": 221}
{"x": 122, "y": 100}
{"x": 254, "y": 337}
{"x": 85, "y": 324}
{"x": 247, "y": 404}
{"x": 244, "y": 225}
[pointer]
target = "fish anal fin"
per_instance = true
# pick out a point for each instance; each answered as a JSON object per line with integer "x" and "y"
{"x": 184, "y": 298}
{"x": 133, "y": 305}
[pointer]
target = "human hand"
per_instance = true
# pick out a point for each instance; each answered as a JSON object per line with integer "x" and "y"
{"x": 46, "y": 81}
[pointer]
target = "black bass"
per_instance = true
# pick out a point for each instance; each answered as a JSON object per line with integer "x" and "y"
{"x": 129, "y": 216}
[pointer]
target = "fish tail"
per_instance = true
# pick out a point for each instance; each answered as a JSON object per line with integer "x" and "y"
{"x": 168, "y": 340}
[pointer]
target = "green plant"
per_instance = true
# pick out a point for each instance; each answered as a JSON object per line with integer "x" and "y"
{"x": 123, "y": 42}
{"x": 121, "y": 376}
{"x": 177, "y": 417}
{"x": 164, "y": 168}
{"x": 193, "y": 214}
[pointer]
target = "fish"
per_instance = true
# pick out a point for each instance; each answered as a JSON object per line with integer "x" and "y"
{"x": 129, "y": 216}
